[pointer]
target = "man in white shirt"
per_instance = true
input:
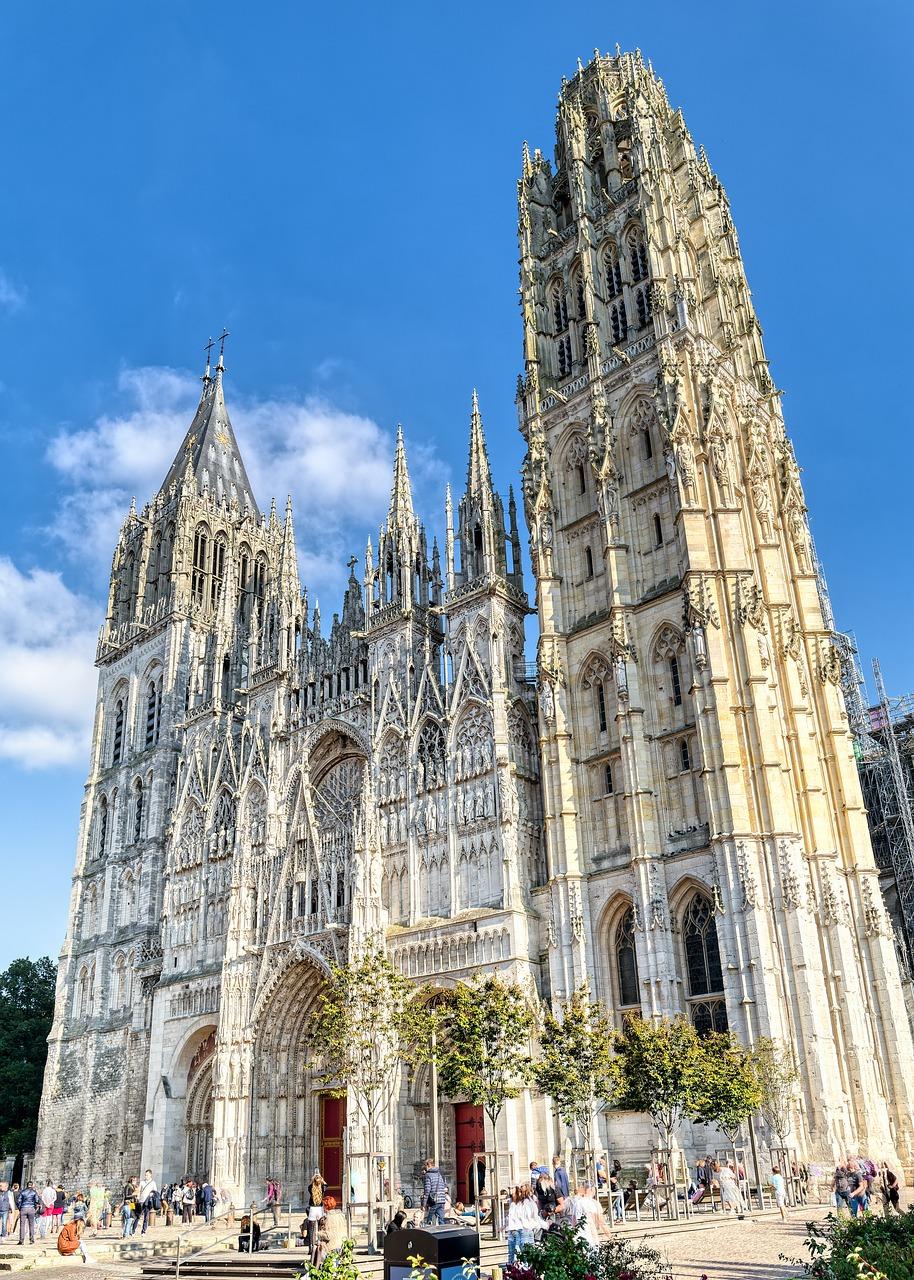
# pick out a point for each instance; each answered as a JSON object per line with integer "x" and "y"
{"x": 587, "y": 1214}
{"x": 148, "y": 1198}
{"x": 48, "y": 1196}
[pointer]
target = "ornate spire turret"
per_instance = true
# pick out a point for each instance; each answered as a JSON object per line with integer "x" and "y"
{"x": 402, "y": 571}
{"x": 480, "y": 516}
{"x": 211, "y": 449}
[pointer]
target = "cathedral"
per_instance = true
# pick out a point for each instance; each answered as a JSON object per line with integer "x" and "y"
{"x": 664, "y": 805}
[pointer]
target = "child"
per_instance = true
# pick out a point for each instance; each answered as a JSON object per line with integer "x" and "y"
{"x": 780, "y": 1189}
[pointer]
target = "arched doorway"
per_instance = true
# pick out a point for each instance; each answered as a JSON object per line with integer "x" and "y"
{"x": 198, "y": 1127}
{"x": 291, "y": 1122}
{"x": 198, "y": 1115}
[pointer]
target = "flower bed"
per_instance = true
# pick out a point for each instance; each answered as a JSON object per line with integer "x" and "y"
{"x": 564, "y": 1255}
{"x": 863, "y": 1248}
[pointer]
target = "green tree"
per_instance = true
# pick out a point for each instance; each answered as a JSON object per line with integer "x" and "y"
{"x": 484, "y": 1050}
{"x": 369, "y": 1018}
{"x": 728, "y": 1088}
{"x": 576, "y": 1067}
{"x": 26, "y": 1012}
{"x": 779, "y": 1078}
{"x": 658, "y": 1067}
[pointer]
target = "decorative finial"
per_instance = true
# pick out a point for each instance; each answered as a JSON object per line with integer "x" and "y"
{"x": 208, "y": 349}
{"x": 222, "y": 337}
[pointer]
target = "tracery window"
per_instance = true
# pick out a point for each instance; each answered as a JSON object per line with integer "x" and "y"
{"x": 618, "y": 322}
{"x": 704, "y": 976}
{"x": 675, "y": 681}
{"x": 259, "y": 586}
{"x": 137, "y": 810}
{"x": 601, "y": 706}
{"x": 637, "y": 255}
{"x": 117, "y": 749}
{"x": 119, "y": 985}
{"x": 218, "y": 572}
{"x": 199, "y": 571}
{"x": 153, "y": 711}
{"x": 627, "y": 963}
{"x": 102, "y": 825}
{"x": 612, "y": 268}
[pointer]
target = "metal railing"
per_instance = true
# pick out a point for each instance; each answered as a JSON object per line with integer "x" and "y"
{"x": 253, "y": 1212}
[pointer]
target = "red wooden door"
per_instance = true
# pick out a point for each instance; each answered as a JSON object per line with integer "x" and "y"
{"x": 333, "y": 1122}
{"x": 470, "y": 1133}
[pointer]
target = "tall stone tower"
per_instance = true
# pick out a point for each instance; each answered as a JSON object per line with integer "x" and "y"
{"x": 704, "y": 823}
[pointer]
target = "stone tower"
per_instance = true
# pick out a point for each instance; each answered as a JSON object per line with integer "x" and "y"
{"x": 707, "y": 844}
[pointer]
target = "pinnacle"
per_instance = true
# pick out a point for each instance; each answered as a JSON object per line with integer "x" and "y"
{"x": 401, "y": 496}
{"x": 479, "y": 476}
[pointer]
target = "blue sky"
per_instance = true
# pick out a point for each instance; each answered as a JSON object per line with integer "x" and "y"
{"x": 336, "y": 185}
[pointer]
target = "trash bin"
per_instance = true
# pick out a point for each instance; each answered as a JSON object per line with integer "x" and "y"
{"x": 442, "y": 1250}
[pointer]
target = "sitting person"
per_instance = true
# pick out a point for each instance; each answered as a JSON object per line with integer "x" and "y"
{"x": 249, "y": 1239}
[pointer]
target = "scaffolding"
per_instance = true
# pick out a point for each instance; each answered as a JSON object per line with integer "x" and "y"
{"x": 884, "y": 749}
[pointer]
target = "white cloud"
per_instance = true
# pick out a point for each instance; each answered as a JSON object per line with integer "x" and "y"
{"x": 47, "y": 681}
{"x": 337, "y": 466}
{"x": 12, "y": 297}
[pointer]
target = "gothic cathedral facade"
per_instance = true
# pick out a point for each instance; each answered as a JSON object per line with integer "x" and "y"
{"x": 666, "y": 806}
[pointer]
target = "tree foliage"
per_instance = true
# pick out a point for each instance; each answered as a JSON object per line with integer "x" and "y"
{"x": 576, "y": 1067}
{"x": 659, "y": 1066}
{"x": 484, "y": 1052}
{"x": 728, "y": 1089}
{"x": 778, "y": 1077}
{"x": 26, "y": 1013}
{"x": 368, "y": 1020}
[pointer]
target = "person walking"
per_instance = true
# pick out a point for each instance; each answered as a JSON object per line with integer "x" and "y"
{"x": 6, "y": 1208}
{"x": 28, "y": 1204}
{"x": 147, "y": 1196}
{"x": 560, "y": 1177}
{"x": 587, "y": 1215}
{"x": 841, "y": 1187}
{"x": 315, "y": 1207}
{"x": 728, "y": 1187}
{"x": 779, "y": 1186}
{"x": 128, "y": 1209}
{"x": 208, "y": 1196}
{"x": 188, "y": 1201}
{"x": 46, "y": 1213}
{"x": 523, "y": 1219}
{"x": 434, "y": 1194}
{"x": 60, "y": 1207}
{"x": 274, "y": 1195}
{"x": 546, "y": 1196}
{"x": 890, "y": 1189}
{"x": 177, "y": 1198}
{"x": 858, "y": 1193}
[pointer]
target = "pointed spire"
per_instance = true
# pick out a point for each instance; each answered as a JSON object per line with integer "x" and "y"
{"x": 479, "y": 475}
{"x": 526, "y": 166}
{"x": 449, "y": 540}
{"x": 401, "y": 494}
{"x": 209, "y": 455}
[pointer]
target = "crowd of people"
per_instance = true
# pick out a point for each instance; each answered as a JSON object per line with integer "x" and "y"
{"x": 858, "y": 1186}
{"x": 37, "y": 1214}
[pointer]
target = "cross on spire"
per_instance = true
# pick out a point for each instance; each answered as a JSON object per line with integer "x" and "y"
{"x": 209, "y": 350}
{"x": 222, "y": 337}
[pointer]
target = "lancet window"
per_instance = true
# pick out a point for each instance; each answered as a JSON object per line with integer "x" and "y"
{"x": 704, "y": 976}
{"x": 628, "y": 994}
{"x": 200, "y": 565}
{"x": 117, "y": 746}
{"x": 137, "y": 810}
{"x": 218, "y": 572}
